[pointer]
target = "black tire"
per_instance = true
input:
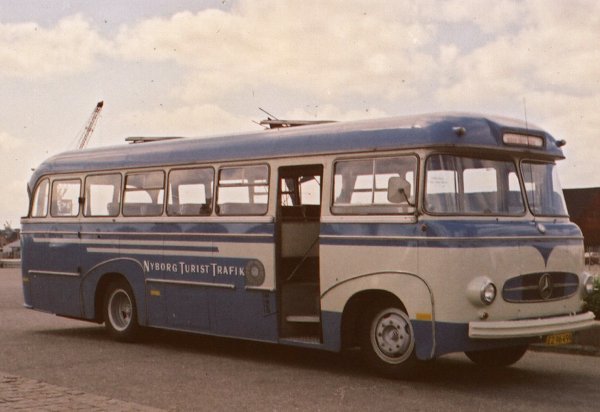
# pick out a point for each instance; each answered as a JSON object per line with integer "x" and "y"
{"x": 498, "y": 358}
{"x": 387, "y": 341}
{"x": 120, "y": 312}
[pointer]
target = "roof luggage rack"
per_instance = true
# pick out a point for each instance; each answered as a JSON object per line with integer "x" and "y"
{"x": 273, "y": 122}
{"x": 146, "y": 139}
{"x": 277, "y": 124}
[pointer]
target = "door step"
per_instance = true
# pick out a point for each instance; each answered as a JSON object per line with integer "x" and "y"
{"x": 303, "y": 319}
{"x": 303, "y": 339}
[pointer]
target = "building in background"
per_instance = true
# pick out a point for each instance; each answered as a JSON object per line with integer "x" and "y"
{"x": 584, "y": 210}
{"x": 10, "y": 246}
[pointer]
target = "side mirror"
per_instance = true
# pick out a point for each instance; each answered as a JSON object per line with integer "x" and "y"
{"x": 399, "y": 190}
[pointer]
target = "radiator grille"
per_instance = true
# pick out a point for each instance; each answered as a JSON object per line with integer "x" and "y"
{"x": 540, "y": 287}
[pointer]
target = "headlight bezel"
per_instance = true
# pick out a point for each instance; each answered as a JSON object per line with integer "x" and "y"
{"x": 488, "y": 293}
{"x": 482, "y": 291}
{"x": 589, "y": 284}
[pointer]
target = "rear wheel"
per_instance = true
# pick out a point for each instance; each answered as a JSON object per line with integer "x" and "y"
{"x": 498, "y": 358}
{"x": 388, "y": 341}
{"x": 120, "y": 313}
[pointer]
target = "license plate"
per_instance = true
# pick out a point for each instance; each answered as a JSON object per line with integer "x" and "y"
{"x": 559, "y": 339}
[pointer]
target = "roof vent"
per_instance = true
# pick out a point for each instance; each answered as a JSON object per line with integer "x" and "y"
{"x": 459, "y": 131}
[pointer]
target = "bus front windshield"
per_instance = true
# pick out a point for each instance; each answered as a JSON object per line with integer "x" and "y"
{"x": 544, "y": 193}
{"x": 472, "y": 186}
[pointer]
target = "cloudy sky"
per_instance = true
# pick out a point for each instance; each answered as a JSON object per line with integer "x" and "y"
{"x": 203, "y": 67}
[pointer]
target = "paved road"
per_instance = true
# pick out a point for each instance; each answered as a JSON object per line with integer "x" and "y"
{"x": 175, "y": 371}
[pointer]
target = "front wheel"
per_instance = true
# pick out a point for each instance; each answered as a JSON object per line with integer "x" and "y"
{"x": 388, "y": 341}
{"x": 120, "y": 313}
{"x": 497, "y": 358}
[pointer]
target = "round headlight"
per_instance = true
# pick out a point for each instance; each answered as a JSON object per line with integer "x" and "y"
{"x": 488, "y": 293}
{"x": 589, "y": 284}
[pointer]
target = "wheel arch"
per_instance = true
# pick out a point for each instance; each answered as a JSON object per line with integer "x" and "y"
{"x": 96, "y": 280}
{"x": 408, "y": 291}
{"x": 355, "y": 309}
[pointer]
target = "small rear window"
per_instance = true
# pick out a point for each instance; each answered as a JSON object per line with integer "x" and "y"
{"x": 39, "y": 206}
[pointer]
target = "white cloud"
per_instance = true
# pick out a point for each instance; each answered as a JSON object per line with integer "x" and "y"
{"x": 28, "y": 50}
{"x": 328, "y": 49}
{"x": 549, "y": 52}
{"x": 199, "y": 120}
{"x": 490, "y": 16}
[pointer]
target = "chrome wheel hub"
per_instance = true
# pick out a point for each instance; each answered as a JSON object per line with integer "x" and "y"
{"x": 120, "y": 310}
{"x": 392, "y": 336}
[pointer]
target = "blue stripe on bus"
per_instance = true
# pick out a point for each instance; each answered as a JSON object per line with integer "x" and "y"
{"x": 451, "y": 234}
{"x": 187, "y": 228}
{"x": 451, "y": 228}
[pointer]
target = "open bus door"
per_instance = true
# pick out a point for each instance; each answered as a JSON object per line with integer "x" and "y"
{"x": 298, "y": 227}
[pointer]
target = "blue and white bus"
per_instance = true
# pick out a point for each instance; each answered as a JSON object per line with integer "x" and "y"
{"x": 408, "y": 237}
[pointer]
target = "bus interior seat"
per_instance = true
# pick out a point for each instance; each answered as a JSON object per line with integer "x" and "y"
{"x": 142, "y": 209}
{"x": 242, "y": 208}
{"x": 190, "y": 209}
{"x": 112, "y": 208}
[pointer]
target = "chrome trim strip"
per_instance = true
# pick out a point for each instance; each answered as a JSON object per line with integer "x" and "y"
{"x": 190, "y": 283}
{"x": 49, "y": 232}
{"x": 535, "y": 287}
{"x": 155, "y": 252}
{"x": 407, "y": 218}
{"x": 52, "y": 273}
{"x": 270, "y": 236}
{"x": 450, "y": 238}
{"x": 260, "y": 289}
{"x": 151, "y": 219}
{"x": 140, "y": 242}
{"x": 174, "y": 234}
{"x": 166, "y": 234}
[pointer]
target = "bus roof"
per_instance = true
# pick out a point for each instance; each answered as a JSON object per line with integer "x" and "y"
{"x": 430, "y": 130}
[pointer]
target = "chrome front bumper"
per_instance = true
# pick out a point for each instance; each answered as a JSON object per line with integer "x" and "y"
{"x": 530, "y": 327}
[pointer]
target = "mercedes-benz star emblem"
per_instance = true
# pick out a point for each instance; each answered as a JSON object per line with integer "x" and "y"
{"x": 545, "y": 286}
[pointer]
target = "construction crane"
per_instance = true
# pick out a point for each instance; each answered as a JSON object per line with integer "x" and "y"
{"x": 84, "y": 137}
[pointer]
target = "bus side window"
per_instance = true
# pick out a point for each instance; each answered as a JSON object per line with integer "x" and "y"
{"x": 144, "y": 194}
{"x": 102, "y": 195}
{"x": 243, "y": 190}
{"x": 39, "y": 207}
{"x": 190, "y": 192}
{"x": 65, "y": 198}
{"x": 361, "y": 186}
